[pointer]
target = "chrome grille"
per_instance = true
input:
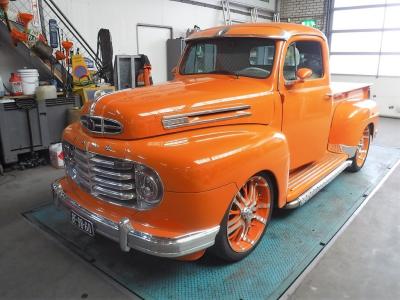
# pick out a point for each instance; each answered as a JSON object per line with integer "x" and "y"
{"x": 101, "y": 125}
{"x": 107, "y": 178}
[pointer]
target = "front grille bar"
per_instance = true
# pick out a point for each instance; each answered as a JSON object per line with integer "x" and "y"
{"x": 110, "y": 179}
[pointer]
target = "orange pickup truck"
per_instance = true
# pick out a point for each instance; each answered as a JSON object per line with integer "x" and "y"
{"x": 250, "y": 123}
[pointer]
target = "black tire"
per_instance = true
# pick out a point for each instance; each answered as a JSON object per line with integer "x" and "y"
{"x": 356, "y": 164}
{"x": 222, "y": 248}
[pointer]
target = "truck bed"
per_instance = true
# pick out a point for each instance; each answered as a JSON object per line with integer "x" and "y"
{"x": 339, "y": 88}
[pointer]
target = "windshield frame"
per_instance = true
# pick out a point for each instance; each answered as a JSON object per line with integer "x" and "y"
{"x": 186, "y": 53}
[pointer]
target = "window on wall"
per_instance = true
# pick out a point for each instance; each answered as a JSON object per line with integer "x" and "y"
{"x": 365, "y": 37}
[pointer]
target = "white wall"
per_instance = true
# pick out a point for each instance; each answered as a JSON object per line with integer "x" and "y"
{"x": 385, "y": 90}
{"x": 121, "y": 17}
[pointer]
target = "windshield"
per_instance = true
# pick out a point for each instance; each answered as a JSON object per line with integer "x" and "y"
{"x": 251, "y": 57}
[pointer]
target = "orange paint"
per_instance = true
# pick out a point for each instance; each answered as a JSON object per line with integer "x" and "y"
{"x": 277, "y": 127}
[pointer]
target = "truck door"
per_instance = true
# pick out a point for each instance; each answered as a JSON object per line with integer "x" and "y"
{"x": 307, "y": 106}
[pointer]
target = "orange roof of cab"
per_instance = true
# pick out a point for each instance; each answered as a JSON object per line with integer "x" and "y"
{"x": 268, "y": 30}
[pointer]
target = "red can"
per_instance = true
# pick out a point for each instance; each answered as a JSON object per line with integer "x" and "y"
{"x": 16, "y": 84}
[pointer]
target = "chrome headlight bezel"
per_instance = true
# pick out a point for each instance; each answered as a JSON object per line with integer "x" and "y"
{"x": 146, "y": 175}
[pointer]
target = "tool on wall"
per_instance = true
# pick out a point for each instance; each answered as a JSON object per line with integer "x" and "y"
{"x": 67, "y": 45}
{"x": 53, "y": 33}
{"x": 25, "y": 19}
{"x": 105, "y": 50}
{"x": 18, "y": 36}
{"x": 4, "y": 7}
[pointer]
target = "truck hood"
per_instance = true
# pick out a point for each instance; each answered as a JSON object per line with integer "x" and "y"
{"x": 184, "y": 104}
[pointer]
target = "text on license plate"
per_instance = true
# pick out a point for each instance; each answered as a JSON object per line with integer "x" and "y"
{"x": 82, "y": 223}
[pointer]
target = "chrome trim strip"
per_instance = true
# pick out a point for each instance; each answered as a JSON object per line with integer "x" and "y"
{"x": 112, "y": 174}
{"x": 181, "y": 120}
{"x": 123, "y": 232}
{"x": 117, "y": 185}
{"x": 209, "y": 111}
{"x": 302, "y": 199}
{"x": 118, "y": 196}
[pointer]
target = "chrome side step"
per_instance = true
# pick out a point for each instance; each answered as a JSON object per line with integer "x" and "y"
{"x": 303, "y": 198}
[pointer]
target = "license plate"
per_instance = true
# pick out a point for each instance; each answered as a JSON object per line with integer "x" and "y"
{"x": 83, "y": 224}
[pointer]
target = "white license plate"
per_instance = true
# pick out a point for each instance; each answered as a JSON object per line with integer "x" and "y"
{"x": 83, "y": 224}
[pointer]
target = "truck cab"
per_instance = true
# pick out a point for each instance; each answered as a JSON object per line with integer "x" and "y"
{"x": 250, "y": 123}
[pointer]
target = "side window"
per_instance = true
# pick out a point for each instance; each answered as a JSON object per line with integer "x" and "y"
{"x": 291, "y": 64}
{"x": 305, "y": 54}
{"x": 201, "y": 59}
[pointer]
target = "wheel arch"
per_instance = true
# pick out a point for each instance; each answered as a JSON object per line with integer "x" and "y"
{"x": 350, "y": 119}
{"x": 372, "y": 129}
{"x": 274, "y": 180}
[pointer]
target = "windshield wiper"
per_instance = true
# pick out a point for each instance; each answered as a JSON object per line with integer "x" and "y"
{"x": 236, "y": 74}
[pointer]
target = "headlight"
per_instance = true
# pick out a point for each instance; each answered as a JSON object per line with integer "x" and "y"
{"x": 149, "y": 188}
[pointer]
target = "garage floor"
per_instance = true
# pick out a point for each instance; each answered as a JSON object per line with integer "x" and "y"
{"x": 362, "y": 263}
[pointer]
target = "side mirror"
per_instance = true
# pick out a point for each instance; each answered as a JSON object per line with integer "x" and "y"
{"x": 303, "y": 73}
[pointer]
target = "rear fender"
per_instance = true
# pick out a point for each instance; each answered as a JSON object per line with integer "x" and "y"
{"x": 350, "y": 119}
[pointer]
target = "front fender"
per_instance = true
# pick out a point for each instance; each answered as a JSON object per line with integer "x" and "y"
{"x": 205, "y": 159}
{"x": 350, "y": 119}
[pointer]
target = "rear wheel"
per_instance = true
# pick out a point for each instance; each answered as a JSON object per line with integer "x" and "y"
{"x": 246, "y": 219}
{"x": 360, "y": 157}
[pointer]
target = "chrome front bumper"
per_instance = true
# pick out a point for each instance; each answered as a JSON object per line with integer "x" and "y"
{"x": 127, "y": 237}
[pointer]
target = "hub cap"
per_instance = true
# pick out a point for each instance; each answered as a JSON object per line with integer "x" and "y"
{"x": 362, "y": 147}
{"x": 248, "y": 214}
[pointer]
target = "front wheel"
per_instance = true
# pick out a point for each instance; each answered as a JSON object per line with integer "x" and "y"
{"x": 361, "y": 154}
{"x": 246, "y": 219}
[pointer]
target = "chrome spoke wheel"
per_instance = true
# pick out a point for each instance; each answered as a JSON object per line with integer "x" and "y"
{"x": 248, "y": 214}
{"x": 362, "y": 147}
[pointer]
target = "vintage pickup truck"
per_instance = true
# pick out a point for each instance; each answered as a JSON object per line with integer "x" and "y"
{"x": 250, "y": 123}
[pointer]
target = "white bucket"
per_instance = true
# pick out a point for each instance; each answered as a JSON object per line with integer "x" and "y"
{"x": 30, "y": 80}
{"x": 56, "y": 156}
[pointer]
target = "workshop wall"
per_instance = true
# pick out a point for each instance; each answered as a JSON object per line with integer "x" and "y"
{"x": 384, "y": 90}
{"x": 297, "y": 11}
{"x": 121, "y": 18}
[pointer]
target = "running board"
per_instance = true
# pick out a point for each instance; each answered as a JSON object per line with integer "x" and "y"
{"x": 317, "y": 187}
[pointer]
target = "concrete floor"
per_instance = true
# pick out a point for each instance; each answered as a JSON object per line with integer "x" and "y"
{"x": 363, "y": 262}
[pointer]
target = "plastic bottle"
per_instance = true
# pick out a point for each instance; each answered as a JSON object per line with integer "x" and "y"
{"x": 2, "y": 92}
{"x": 16, "y": 84}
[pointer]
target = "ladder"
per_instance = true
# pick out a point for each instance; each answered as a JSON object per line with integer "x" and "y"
{"x": 226, "y": 10}
{"x": 239, "y": 6}
{"x": 44, "y": 11}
